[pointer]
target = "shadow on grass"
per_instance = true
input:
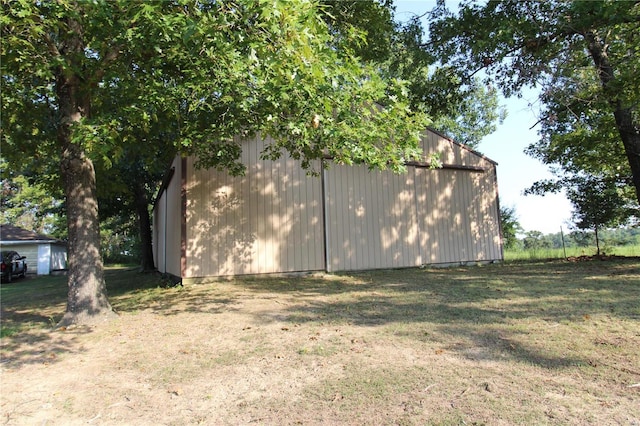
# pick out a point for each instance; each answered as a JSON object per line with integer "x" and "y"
{"x": 476, "y": 312}
{"x": 473, "y": 311}
{"x": 553, "y": 291}
{"x": 11, "y": 318}
{"x": 30, "y": 309}
{"x": 465, "y": 306}
{"x": 502, "y": 345}
{"x": 38, "y": 345}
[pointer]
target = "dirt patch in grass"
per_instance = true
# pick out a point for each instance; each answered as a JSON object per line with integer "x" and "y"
{"x": 548, "y": 343}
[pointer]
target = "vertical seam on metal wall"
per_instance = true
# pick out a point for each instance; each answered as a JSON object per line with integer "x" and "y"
{"x": 166, "y": 215}
{"x": 325, "y": 229}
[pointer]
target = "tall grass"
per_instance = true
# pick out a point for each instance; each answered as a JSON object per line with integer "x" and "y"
{"x": 559, "y": 253}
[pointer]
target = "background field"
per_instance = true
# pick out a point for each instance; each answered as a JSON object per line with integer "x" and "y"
{"x": 559, "y": 253}
{"x": 515, "y": 343}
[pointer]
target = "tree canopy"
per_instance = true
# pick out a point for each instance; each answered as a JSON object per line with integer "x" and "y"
{"x": 465, "y": 111}
{"x": 510, "y": 226}
{"x": 583, "y": 56}
{"x": 78, "y": 77}
{"x": 29, "y": 203}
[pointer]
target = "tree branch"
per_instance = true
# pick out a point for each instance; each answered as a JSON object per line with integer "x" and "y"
{"x": 51, "y": 46}
{"x": 110, "y": 57}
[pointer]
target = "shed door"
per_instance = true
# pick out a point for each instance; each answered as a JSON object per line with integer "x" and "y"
{"x": 44, "y": 259}
{"x": 370, "y": 218}
{"x": 456, "y": 223}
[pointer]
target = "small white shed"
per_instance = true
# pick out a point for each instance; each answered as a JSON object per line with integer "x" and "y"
{"x": 278, "y": 219}
{"x": 44, "y": 254}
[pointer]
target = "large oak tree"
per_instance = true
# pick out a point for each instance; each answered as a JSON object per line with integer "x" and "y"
{"x": 583, "y": 55}
{"x": 212, "y": 70}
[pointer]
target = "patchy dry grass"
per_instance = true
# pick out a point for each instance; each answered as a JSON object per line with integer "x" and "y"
{"x": 544, "y": 343}
{"x": 37, "y": 302}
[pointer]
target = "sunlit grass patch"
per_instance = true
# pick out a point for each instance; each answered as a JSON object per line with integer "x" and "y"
{"x": 544, "y": 342}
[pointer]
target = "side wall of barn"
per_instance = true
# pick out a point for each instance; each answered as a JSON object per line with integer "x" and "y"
{"x": 427, "y": 216}
{"x": 269, "y": 220}
{"x": 372, "y": 221}
{"x": 167, "y": 223}
{"x": 278, "y": 219}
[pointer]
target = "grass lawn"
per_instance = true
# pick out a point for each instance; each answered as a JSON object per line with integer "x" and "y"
{"x": 522, "y": 343}
{"x": 39, "y": 301}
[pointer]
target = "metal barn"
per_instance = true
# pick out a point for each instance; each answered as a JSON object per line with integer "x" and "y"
{"x": 278, "y": 219}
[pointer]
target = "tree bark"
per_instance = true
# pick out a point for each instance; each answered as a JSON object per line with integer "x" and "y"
{"x": 87, "y": 301}
{"x": 630, "y": 135}
{"x": 144, "y": 223}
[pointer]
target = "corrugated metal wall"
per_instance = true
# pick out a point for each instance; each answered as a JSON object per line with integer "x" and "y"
{"x": 167, "y": 222}
{"x": 158, "y": 235}
{"x": 458, "y": 221}
{"x": 371, "y": 219}
{"x": 458, "y": 207}
{"x": 442, "y": 216}
{"x": 270, "y": 220}
{"x": 277, "y": 218}
{"x": 381, "y": 220}
{"x": 451, "y": 152}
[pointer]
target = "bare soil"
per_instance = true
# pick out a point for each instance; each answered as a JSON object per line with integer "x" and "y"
{"x": 394, "y": 347}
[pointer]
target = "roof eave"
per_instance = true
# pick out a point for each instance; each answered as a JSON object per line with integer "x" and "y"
{"x": 17, "y": 242}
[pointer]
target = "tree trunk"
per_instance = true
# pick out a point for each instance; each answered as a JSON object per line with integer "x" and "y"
{"x": 144, "y": 223}
{"x": 87, "y": 301}
{"x": 630, "y": 135}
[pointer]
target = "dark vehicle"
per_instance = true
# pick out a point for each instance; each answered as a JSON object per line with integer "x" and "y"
{"x": 13, "y": 265}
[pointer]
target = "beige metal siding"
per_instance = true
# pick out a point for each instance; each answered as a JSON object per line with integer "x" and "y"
{"x": 167, "y": 225}
{"x": 458, "y": 211}
{"x": 451, "y": 153}
{"x": 458, "y": 208}
{"x": 278, "y": 219}
{"x": 158, "y": 235}
{"x": 371, "y": 221}
{"x": 159, "y": 241}
{"x": 268, "y": 221}
{"x": 382, "y": 220}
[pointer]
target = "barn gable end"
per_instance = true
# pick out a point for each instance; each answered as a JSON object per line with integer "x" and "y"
{"x": 278, "y": 219}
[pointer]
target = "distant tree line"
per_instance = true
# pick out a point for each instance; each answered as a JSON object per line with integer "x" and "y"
{"x": 516, "y": 238}
{"x": 580, "y": 238}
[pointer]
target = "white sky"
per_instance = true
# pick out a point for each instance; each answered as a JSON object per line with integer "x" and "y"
{"x": 516, "y": 170}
